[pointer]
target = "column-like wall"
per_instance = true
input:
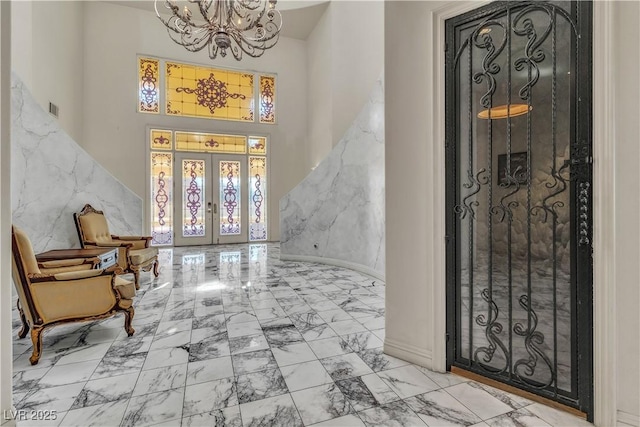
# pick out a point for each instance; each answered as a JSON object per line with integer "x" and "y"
{"x": 52, "y": 177}
{"x": 336, "y": 214}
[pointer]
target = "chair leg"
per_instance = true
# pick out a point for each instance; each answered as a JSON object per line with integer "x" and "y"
{"x": 155, "y": 268}
{"x": 36, "y": 338}
{"x": 128, "y": 318}
{"x": 136, "y": 278}
{"x": 25, "y": 326}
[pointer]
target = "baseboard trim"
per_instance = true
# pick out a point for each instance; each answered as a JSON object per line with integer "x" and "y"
{"x": 332, "y": 261}
{"x": 629, "y": 419}
{"x": 408, "y": 352}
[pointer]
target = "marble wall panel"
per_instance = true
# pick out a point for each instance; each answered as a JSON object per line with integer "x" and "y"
{"x": 337, "y": 211}
{"x": 52, "y": 177}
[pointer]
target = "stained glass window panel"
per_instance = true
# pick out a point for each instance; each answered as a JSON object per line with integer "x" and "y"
{"x": 211, "y": 142}
{"x": 230, "y": 198}
{"x": 148, "y": 85}
{"x": 267, "y": 99}
{"x": 257, "y": 198}
{"x": 193, "y": 173}
{"x": 197, "y": 91}
{"x": 161, "y": 198}
{"x": 257, "y": 145}
{"x": 161, "y": 139}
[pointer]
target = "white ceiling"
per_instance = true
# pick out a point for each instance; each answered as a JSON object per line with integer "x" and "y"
{"x": 299, "y": 17}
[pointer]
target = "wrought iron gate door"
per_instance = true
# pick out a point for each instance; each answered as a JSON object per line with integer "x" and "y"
{"x": 519, "y": 186}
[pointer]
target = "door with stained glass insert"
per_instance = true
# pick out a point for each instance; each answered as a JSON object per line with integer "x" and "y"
{"x": 211, "y": 204}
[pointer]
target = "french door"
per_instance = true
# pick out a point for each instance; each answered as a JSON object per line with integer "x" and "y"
{"x": 519, "y": 185}
{"x": 212, "y": 207}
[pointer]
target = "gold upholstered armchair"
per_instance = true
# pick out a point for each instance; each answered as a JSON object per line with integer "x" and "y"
{"x": 47, "y": 299}
{"x": 134, "y": 253}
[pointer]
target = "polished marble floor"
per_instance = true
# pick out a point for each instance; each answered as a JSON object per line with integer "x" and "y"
{"x": 232, "y": 336}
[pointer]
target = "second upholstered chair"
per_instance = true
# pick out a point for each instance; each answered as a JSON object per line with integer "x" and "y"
{"x": 134, "y": 253}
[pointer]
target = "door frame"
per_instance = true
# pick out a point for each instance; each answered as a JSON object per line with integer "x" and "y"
{"x": 604, "y": 274}
{"x": 580, "y": 394}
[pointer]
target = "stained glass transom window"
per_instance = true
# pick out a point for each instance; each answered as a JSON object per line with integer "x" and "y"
{"x": 211, "y": 142}
{"x": 267, "y": 99}
{"x": 193, "y": 187}
{"x": 257, "y": 198}
{"x": 230, "y": 197}
{"x": 161, "y": 139}
{"x": 257, "y": 145}
{"x": 209, "y": 92}
{"x": 162, "y": 198}
{"x": 148, "y": 85}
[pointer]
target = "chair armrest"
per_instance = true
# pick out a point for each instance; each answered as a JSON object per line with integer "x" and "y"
{"x": 109, "y": 244}
{"x": 71, "y": 275}
{"x": 68, "y": 262}
{"x": 134, "y": 238}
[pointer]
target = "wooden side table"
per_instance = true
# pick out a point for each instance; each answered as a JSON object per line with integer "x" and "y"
{"x": 108, "y": 256}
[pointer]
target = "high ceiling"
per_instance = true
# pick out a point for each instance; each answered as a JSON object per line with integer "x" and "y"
{"x": 299, "y": 17}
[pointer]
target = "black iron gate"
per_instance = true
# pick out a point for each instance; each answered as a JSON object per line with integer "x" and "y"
{"x": 519, "y": 185}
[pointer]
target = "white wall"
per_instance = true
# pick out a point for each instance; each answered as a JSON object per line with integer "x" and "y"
{"x": 6, "y": 368}
{"x": 114, "y": 133}
{"x": 345, "y": 58}
{"x": 627, "y": 205}
{"x": 47, "y": 54}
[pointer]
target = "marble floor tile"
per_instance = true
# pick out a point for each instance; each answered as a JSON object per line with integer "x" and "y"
{"x": 106, "y": 414}
{"x": 346, "y": 327}
{"x": 57, "y": 399}
{"x": 222, "y": 340}
{"x": 305, "y": 375}
{"x": 293, "y": 353}
{"x": 209, "y": 396}
{"x": 330, "y": 347}
{"x": 279, "y": 411}
{"x": 478, "y": 400}
{"x": 407, "y": 381}
{"x": 98, "y": 392}
{"x": 160, "y": 379}
{"x": 260, "y": 360}
{"x": 350, "y": 420}
{"x": 260, "y": 385}
{"x": 362, "y": 341}
{"x": 395, "y": 414}
{"x": 345, "y": 366}
{"x": 520, "y": 418}
{"x": 321, "y": 403}
{"x": 227, "y": 417}
{"x": 150, "y": 409}
{"x": 439, "y": 408}
{"x": 366, "y": 391}
{"x": 209, "y": 370}
{"x": 166, "y": 357}
{"x": 248, "y": 343}
{"x": 556, "y": 417}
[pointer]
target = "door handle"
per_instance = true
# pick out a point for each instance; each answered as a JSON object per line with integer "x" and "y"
{"x": 215, "y": 208}
{"x": 209, "y": 207}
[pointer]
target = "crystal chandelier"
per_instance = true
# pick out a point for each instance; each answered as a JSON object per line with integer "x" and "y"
{"x": 249, "y": 26}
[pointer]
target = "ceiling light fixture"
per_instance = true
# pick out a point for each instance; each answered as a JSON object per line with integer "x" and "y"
{"x": 249, "y": 26}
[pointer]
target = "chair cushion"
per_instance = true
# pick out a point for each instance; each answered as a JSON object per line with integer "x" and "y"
{"x": 125, "y": 288}
{"x": 140, "y": 256}
{"x": 94, "y": 228}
